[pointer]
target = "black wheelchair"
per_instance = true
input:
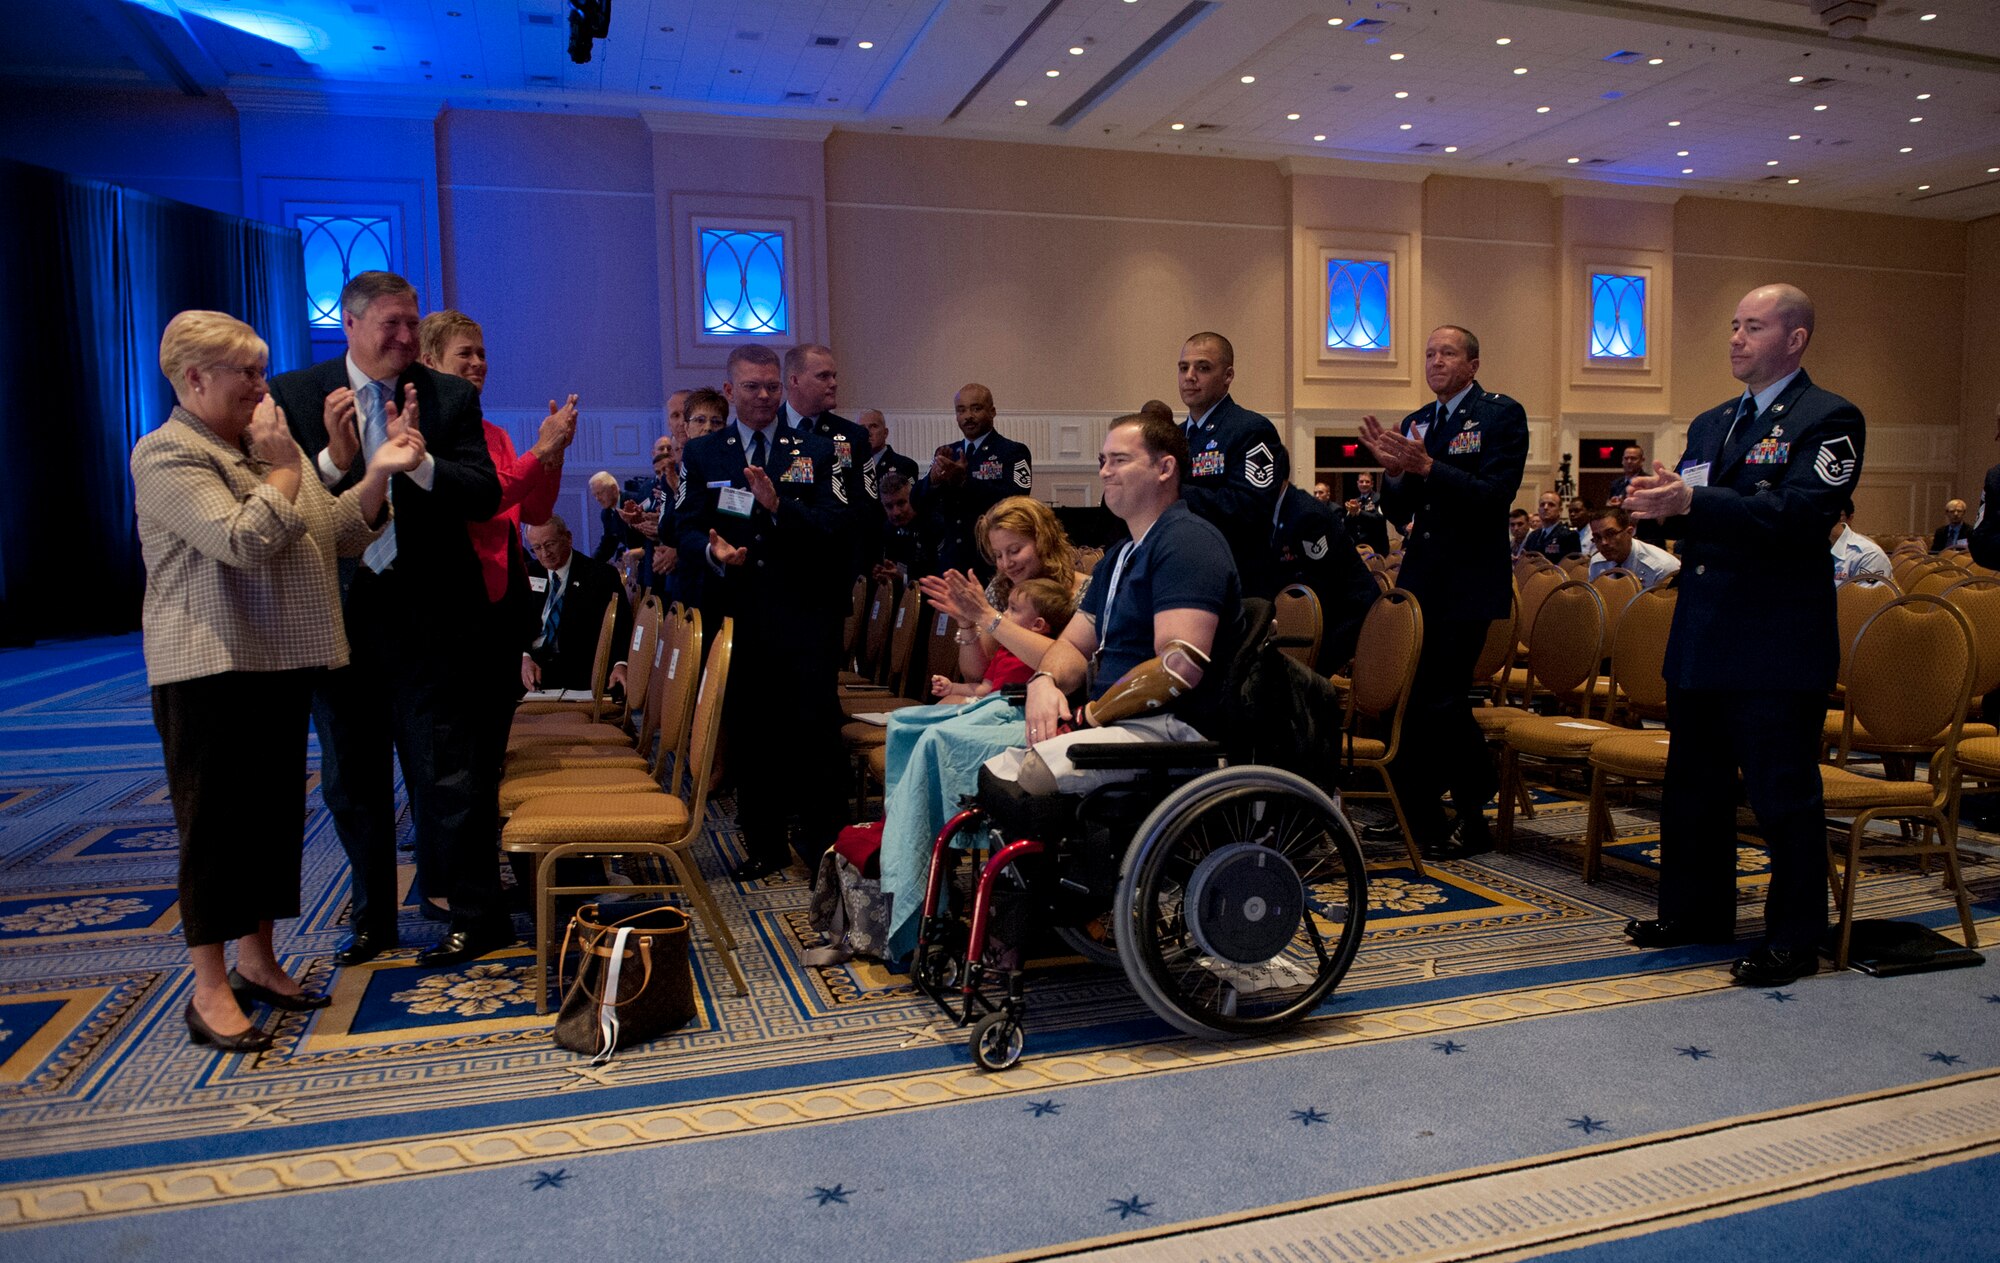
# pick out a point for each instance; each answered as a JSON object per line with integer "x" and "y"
{"x": 1235, "y": 895}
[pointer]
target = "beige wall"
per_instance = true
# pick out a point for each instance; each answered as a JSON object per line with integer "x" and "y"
{"x": 1979, "y": 408}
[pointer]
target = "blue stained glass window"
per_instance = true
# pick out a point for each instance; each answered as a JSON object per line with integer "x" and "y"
{"x": 742, "y": 281}
{"x": 1357, "y": 305}
{"x": 1617, "y": 316}
{"x": 337, "y": 247}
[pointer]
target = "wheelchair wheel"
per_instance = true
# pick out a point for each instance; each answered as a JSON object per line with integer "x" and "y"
{"x": 996, "y": 1041}
{"x": 1078, "y": 939}
{"x": 1241, "y": 902}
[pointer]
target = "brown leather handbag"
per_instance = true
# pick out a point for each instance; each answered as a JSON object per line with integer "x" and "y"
{"x": 635, "y": 983}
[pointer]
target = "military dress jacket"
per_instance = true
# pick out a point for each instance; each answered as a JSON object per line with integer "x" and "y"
{"x": 797, "y": 559}
{"x": 1456, "y": 558}
{"x": 1237, "y": 468}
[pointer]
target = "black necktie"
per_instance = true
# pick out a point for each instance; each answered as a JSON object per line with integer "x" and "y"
{"x": 1745, "y": 411}
{"x": 757, "y": 448}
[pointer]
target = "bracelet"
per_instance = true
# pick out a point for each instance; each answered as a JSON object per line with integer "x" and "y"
{"x": 965, "y": 636}
{"x": 1042, "y": 675}
{"x": 993, "y": 626}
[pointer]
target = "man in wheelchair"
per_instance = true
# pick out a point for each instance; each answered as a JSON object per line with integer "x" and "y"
{"x": 1236, "y": 895}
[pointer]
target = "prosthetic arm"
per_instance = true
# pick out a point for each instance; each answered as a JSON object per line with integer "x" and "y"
{"x": 1149, "y": 688}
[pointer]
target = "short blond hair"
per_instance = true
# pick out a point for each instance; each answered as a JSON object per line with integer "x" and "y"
{"x": 436, "y": 331}
{"x": 602, "y": 478}
{"x": 194, "y": 338}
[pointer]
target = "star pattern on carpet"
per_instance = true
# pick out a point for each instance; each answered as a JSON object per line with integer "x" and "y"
{"x": 1587, "y": 1124}
{"x": 1781, "y": 996}
{"x": 1991, "y": 999}
{"x": 1308, "y": 1116}
{"x": 921, "y": 1033}
{"x": 838, "y": 1194}
{"x": 1040, "y": 1109}
{"x": 547, "y": 1179}
{"x": 1447, "y": 1046}
{"x": 1129, "y": 1206}
{"x": 1943, "y": 1058}
{"x": 1694, "y": 1054}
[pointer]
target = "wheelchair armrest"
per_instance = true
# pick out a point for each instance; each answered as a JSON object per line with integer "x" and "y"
{"x": 1145, "y": 754}
{"x": 1290, "y": 642}
{"x": 1016, "y": 694}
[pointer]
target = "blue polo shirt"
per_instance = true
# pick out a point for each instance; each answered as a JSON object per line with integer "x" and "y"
{"x": 1183, "y": 563}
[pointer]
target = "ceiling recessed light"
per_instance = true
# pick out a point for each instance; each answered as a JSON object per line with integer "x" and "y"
{"x": 1993, "y": 170}
{"x": 1772, "y": 163}
{"x": 1927, "y": 17}
{"x": 866, "y": 43}
{"x": 1076, "y": 52}
{"x": 1923, "y": 96}
{"x": 1179, "y": 127}
{"x": 1520, "y": 70}
{"x": 1574, "y": 161}
{"x": 1687, "y": 170}
{"x": 1403, "y": 127}
{"x": 1794, "y": 136}
{"x": 1020, "y": 101}
{"x": 1796, "y": 79}
{"x": 1904, "y": 149}
{"x": 1053, "y": 74}
{"x": 1656, "y": 61}
{"x": 1793, "y": 180}
{"x": 1293, "y": 118}
{"x": 1541, "y": 109}
{"x": 1451, "y": 148}
{"x": 1674, "y": 123}
{"x": 1331, "y": 21}
{"x": 1248, "y": 79}
{"x": 1401, "y": 95}
{"x": 1503, "y": 41}
{"x": 1319, "y": 138}
{"x": 1922, "y": 187}
{"x": 1395, "y": 56}
{"x": 1818, "y": 108}
{"x": 1680, "y": 153}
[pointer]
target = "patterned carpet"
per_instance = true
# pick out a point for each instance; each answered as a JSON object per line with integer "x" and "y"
{"x": 114, "y": 1133}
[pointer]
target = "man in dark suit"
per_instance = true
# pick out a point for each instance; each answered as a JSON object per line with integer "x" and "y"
{"x": 1310, "y": 545}
{"x": 881, "y": 457}
{"x": 759, "y": 513}
{"x": 971, "y": 476}
{"x": 570, "y": 591}
{"x": 1954, "y": 533}
{"x": 1452, "y": 469}
{"x": 1364, "y": 516}
{"x": 1754, "y": 645}
{"x": 1237, "y": 464}
{"x": 1552, "y": 537}
{"x": 408, "y": 686}
{"x": 812, "y": 385}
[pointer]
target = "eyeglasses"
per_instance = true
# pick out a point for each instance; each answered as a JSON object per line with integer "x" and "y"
{"x": 251, "y": 372}
{"x": 549, "y": 545}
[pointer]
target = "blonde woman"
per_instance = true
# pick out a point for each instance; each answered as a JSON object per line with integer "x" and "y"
{"x": 1024, "y": 540}
{"x": 242, "y": 607}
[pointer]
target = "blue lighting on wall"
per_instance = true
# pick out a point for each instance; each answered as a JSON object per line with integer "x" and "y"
{"x": 278, "y": 28}
{"x": 1357, "y": 305}
{"x": 1617, "y": 316}
{"x": 337, "y": 247}
{"x": 742, "y": 281}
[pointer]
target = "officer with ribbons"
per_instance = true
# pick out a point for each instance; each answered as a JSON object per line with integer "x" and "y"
{"x": 1237, "y": 464}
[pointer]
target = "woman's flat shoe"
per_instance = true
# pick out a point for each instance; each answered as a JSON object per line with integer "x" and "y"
{"x": 200, "y": 1033}
{"x": 303, "y": 1002}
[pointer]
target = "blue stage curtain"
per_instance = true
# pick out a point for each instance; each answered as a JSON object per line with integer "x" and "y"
{"x": 90, "y": 273}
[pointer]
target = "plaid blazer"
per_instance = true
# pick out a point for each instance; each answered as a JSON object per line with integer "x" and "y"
{"x": 237, "y": 577}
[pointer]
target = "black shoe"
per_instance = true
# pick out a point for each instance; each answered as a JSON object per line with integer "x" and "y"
{"x": 1390, "y": 832}
{"x": 756, "y": 869}
{"x": 363, "y": 946}
{"x": 1460, "y": 843}
{"x": 433, "y": 912}
{"x": 460, "y": 946}
{"x": 201, "y": 1033}
{"x": 1664, "y": 932}
{"x": 1772, "y": 967}
{"x": 303, "y": 1002}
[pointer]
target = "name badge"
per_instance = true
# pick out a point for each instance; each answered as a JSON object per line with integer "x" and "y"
{"x": 538, "y": 583}
{"x": 1695, "y": 475}
{"x": 735, "y": 501}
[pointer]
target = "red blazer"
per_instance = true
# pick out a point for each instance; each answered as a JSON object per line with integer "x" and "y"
{"x": 527, "y": 495}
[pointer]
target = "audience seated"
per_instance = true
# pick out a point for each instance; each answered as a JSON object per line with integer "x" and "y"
{"x": 1954, "y": 534}
{"x": 1618, "y": 546}
{"x": 1853, "y": 552}
{"x": 572, "y": 591}
{"x": 1554, "y": 538}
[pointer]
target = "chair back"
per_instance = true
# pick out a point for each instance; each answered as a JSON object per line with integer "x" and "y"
{"x": 677, "y": 685}
{"x": 639, "y": 655}
{"x": 875, "y": 638}
{"x": 857, "y": 618}
{"x": 1575, "y": 566}
{"x": 1385, "y": 655}
{"x": 600, "y": 664}
{"x": 1502, "y": 636}
{"x": 652, "y": 694}
{"x": 1854, "y": 602}
{"x": 1639, "y": 650}
{"x": 1617, "y": 586}
{"x": 1566, "y": 643}
{"x": 1383, "y": 580}
{"x": 1087, "y": 559}
{"x": 1978, "y": 598}
{"x": 1534, "y": 590}
{"x": 1911, "y": 676}
{"x": 708, "y": 724}
{"x": 903, "y": 642}
{"x": 940, "y": 643}
{"x": 1934, "y": 581}
{"x": 1297, "y": 613}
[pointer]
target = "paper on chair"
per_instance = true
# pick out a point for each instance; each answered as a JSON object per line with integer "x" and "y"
{"x": 557, "y": 695}
{"x": 880, "y": 718}
{"x": 1571, "y": 723}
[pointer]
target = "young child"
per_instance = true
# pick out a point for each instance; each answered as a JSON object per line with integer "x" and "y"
{"x": 1042, "y": 606}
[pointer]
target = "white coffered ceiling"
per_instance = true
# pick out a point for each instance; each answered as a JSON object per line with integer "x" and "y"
{"x": 1697, "y": 95}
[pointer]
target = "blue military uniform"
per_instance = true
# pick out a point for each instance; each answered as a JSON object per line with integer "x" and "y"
{"x": 998, "y": 467}
{"x": 1457, "y": 563}
{"x": 1310, "y": 545}
{"x": 1237, "y": 468}
{"x": 1752, "y": 654}
{"x": 780, "y": 711}
{"x": 861, "y": 508}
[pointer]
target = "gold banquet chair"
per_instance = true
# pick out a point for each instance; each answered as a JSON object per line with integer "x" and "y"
{"x": 592, "y": 709}
{"x": 654, "y": 824}
{"x": 1903, "y": 707}
{"x": 866, "y": 742}
{"x": 680, "y": 642}
{"x": 896, "y": 690}
{"x": 1634, "y": 754}
{"x": 600, "y": 711}
{"x": 1856, "y": 603}
{"x": 1565, "y": 650}
{"x": 1300, "y": 622}
{"x": 1385, "y": 664}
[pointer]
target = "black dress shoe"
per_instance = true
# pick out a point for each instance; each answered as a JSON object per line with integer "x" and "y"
{"x": 460, "y": 946}
{"x": 303, "y": 1002}
{"x": 1664, "y": 932}
{"x": 200, "y": 1033}
{"x": 1390, "y": 832}
{"x": 756, "y": 869}
{"x": 1460, "y": 843}
{"x": 1772, "y": 967}
{"x": 363, "y": 946}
